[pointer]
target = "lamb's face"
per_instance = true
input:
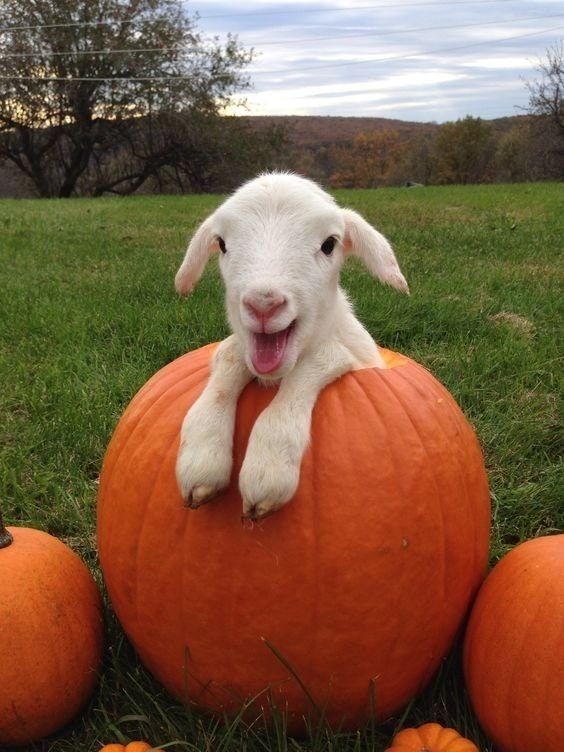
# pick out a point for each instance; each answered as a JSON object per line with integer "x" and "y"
{"x": 281, "y": 249}
{"x": 282, "y": 242}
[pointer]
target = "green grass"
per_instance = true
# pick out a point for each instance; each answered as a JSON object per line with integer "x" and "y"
{"x": 88, "y": 313}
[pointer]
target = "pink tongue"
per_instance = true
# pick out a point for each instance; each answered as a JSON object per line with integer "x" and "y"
{"x": 268, "y": 351}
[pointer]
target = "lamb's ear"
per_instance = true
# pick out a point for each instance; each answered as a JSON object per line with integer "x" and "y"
{"x": 373, "y": 248}
{"x": 202, "y": 245}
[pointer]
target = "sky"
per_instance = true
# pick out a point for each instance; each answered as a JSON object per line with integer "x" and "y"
{"x": 408, "y": 59}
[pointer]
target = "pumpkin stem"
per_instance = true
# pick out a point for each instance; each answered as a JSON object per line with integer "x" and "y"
{"x": 5, "y": 536}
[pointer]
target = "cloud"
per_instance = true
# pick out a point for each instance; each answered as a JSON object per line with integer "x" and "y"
{"x": 507, "y": 62}
{"x": 398, "y": 59}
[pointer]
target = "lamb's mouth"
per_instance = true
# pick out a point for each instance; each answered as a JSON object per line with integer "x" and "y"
{"x": 268, "y": 349}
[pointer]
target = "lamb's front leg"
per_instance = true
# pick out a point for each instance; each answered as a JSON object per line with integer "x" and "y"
{"x": 205, "y": 457}
{"x": 271, "y": 470}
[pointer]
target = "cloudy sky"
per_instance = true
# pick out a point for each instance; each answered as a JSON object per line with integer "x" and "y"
{"x": 407, "y": 59}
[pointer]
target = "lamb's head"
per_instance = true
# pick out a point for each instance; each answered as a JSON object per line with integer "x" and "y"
{"x": 282, "y": 241}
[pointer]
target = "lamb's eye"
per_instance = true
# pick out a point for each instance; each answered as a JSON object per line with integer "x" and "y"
{"x": 221, "y": 242}
{"x": 328, "y": 245}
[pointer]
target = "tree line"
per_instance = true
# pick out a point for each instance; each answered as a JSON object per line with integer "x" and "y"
{"x": 469, "y": 150}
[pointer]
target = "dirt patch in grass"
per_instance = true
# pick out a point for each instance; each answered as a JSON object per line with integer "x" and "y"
{"x": 515, "y": 321}
{"x": 544, "y": 270}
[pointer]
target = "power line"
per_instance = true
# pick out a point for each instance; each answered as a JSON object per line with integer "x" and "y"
{"x": 106, "y": 51}
{"x": 388, "y": 32}
{"x": 342, "y": 37}
{"x": 305, "y": 68}
{"x": 70, "y": 24}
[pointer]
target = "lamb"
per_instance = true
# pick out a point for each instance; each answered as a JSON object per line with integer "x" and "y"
{"x": 282, "y": 242}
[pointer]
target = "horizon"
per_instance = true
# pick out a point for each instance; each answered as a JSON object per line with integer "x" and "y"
{"x": 383, "y": 117}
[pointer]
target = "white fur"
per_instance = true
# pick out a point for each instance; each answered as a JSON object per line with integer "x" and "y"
{"x": 273, "y": 228}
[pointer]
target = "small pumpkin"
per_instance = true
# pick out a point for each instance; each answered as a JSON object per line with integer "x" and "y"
{"x": 131, "y": 747}
{"x": 51, "y": 635}
{"x": 350, "y": 595}
{"x": 431, "y": 737}
{"x": 514, "y": 649}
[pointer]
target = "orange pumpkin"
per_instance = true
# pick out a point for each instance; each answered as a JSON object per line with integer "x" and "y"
{"x": 131, "y": 747}
{"x": 51, "y": 635}
{"x": 431, "y": 737}
{"x": 348, "y": 597}
{"x": 514, "y": 649}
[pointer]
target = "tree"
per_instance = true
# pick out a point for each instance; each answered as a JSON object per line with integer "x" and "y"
{"x": 525, "y": 152}
{"x": 368, "y": 161}
{"x": 546, "y": 97}
{"x": 94, "y": 94}
{"x": 417, "y": 160}
{"x": 546, "y": 101}
{"x": 512, "y": 154}
{"x": 462, "y": 151}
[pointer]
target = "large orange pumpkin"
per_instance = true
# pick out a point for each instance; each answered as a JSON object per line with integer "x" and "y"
{"x": 342, "y": 602}
{"x": 51, "y": 635}
{"x": 514, "y": 649}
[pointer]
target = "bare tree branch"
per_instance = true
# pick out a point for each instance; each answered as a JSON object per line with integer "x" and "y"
{"x": 546, "y": 96}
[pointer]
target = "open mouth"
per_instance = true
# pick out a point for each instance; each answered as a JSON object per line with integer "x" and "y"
{"x": 268, "y": 350}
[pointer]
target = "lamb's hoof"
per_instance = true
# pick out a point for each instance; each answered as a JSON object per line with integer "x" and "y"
{"x": 256, "y": 512}
{"x": 200, "y": 495}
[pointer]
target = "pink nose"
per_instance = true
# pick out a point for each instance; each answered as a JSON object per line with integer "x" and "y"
{"x": 263, "y": 307}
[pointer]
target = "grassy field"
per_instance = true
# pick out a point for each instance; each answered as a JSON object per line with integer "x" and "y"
{"x": 88, "y": 313}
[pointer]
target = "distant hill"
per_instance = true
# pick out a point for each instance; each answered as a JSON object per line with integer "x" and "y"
{"x": 323, "y": 148}
{"x": 313, "y": 130}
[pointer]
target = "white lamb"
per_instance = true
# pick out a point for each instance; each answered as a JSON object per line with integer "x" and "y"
{"x": 282, "y": 243}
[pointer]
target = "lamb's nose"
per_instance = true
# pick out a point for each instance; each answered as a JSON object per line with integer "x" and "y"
{"x": 263, "y": 307}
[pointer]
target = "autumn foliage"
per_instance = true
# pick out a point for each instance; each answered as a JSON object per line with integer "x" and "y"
{"x": 369, "y": 161}
{"x": 469, "y": 150}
